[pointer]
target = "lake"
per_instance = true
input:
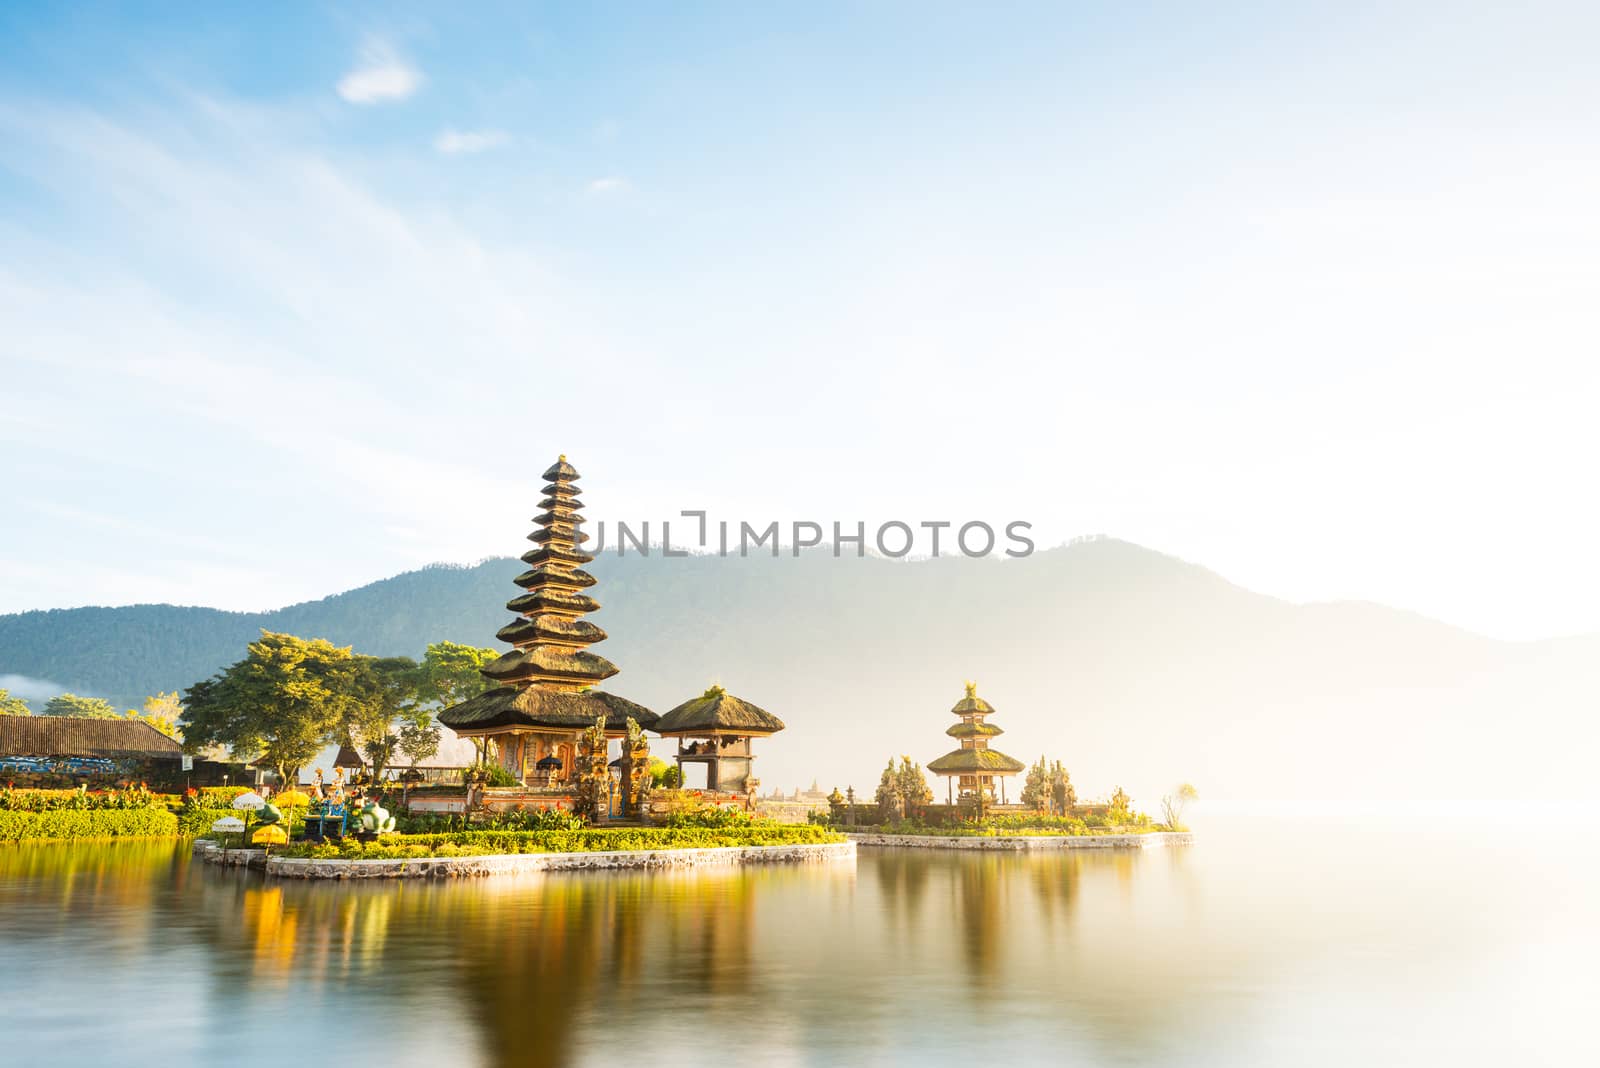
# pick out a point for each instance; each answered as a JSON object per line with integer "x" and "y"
{"x": 1444, "y": 934}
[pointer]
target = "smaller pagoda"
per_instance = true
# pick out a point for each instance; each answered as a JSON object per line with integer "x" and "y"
{"x": 716, "y": 729}
{"x": 973, "y": 770}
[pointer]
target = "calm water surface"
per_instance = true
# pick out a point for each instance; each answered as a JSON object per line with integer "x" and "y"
{"x": 1277, "y": 940}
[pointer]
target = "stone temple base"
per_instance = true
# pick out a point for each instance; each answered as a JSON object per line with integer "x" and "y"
{"x": 1026, "y": 843}
{"x": 517, "y": 863}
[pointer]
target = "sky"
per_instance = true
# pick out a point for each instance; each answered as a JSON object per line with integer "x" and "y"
{"x": 296, "y": 297}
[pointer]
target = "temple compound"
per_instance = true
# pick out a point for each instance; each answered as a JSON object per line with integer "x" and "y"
{"x": 546, "y": 722}
{"x": 973, "y": 770}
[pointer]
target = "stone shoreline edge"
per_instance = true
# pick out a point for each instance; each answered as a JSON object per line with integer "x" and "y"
{"x": 1026, "y": 843}
{"x": 519, "y": 863}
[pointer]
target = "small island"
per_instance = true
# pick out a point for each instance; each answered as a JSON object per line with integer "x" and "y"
{"x": 976, "y": 813}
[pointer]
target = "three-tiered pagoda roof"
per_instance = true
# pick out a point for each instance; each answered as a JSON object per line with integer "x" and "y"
{"x": 975, "y": 757}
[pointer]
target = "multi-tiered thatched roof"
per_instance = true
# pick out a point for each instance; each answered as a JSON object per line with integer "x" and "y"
{"x": 545, "y": 679}
{"x": 975, "y": 757}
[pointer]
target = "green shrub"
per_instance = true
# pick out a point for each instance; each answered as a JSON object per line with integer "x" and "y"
{"x": 714, "y": 816}
{"x": 516, "y": 820}
{"x": 215, "y": 796}
{"x": 146, "y": 822}
{"x": 194, "y": 821}
{"x": 495, "y": 775}
{"x": 588, "y": 840}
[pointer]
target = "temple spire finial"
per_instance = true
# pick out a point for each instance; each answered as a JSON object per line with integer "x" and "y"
{"x": 972, "y": 688}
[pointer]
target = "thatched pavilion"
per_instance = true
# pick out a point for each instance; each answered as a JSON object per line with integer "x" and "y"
{"x": 721, "y": 727}
{"x": 546, "y": 699}
{"x": 974, "y": 768}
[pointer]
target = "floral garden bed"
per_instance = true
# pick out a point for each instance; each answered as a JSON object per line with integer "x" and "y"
{"x": 587, "y": 840}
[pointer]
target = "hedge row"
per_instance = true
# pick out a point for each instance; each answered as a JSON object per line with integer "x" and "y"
{"x": 98, "y": 823}
{"x": 81, "y": 800}
{"x": 592, "y": 840}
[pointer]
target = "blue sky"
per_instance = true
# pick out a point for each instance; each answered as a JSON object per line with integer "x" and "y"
{"x": 297, "y": 297}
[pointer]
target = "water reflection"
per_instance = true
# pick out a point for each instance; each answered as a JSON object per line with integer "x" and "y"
{"x": 1240, "y": 951}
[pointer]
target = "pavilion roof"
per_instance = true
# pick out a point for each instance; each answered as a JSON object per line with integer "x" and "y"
{"x": 558, "y": 628}
{"x": 561, "y": 471}
{"x": 718, "y": 710}
{"x": 535, "y": 706}
{"x": 976, "y": 761}
{"x": 972, "y": 704}
{"x": 972, "y": 729}
{"x": 524, "y": 663}
{"x": 82, "y": 736}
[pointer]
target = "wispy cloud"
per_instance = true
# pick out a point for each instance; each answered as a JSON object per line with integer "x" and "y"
{"x": 458, "y": 142}
{"x": 366, "y": 287}
{"x": 609, "y": 184}
{"x": 380, "y": 75}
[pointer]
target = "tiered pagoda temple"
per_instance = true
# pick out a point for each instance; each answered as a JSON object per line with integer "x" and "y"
{"x": 545, "y": 698}
{"x": 974, "y": 769}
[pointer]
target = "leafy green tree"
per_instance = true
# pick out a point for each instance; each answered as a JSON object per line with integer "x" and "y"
{"x": 284, "y": 701}
{"x": 383, "y": 698}
{"x": 70, "y": 704}
{"x": 419, "y": 740}
{"x": 161, "y": 712}
{"x": 13, "y": 706}
{"x": 451, "y": 673}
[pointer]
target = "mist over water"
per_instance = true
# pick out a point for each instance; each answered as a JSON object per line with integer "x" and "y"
{"x": 1427, "y": 934}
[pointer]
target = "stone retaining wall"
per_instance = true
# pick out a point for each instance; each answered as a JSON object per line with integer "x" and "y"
{"x": 514, "y": 863}
{"x": 1019, "y": 843}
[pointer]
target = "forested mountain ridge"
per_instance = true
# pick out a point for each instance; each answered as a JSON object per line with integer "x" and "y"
{"x": 1134, "y": 667}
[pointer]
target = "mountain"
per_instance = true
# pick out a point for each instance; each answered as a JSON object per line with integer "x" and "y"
{"x": 1134, "y": 667}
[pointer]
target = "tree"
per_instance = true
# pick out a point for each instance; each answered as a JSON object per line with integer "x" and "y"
{"x": 451, "y": 673}
{"x": 419, "y": 740}
{"x": 70, "y": 704}
{"x": 285, "y": 700}
{"x": 13, "y": 706}
{"x": 161, "y": 712}
{"x": 1173, "y": 804}
{"x": 384, "y": 698}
